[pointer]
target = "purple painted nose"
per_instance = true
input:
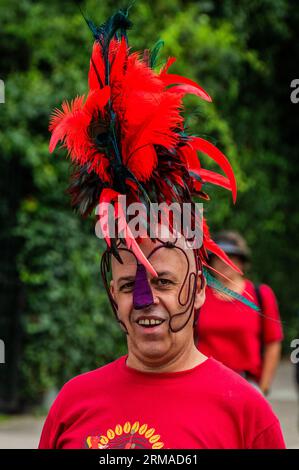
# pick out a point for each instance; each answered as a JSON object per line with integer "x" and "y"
{"x": 142, "y": 294}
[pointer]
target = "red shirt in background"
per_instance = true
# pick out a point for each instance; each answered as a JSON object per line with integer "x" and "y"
{"x": 233, "y": 333}
{"x": 116, "y": 406}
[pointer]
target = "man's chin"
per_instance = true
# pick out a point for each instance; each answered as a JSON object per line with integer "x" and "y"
{"x": 153, "y": 353}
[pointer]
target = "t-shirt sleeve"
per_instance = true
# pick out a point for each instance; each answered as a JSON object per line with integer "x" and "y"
{"x": 46, "y": 439}
{"x": 270, "y": 438}
{"x": 52, "y": 425}
{"x": 272, "y": 327}
{"x": 262, "y": 428}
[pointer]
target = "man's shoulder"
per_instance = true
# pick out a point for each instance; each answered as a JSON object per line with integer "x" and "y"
{"x": 236, "y": 390}
{"x": 91, "y": 380}
{"x": 239, "y": 394}
{"x": 242, "y": 400}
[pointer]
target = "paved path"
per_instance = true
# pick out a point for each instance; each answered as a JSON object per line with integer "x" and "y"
{"x": 22, "y": 432}
{"x": 284, "y": 401}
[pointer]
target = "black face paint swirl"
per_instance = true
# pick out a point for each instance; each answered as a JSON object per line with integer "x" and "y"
{"x": 177, "y": 321}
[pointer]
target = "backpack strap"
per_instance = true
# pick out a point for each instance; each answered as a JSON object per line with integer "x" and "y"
{"x": 258, "y": 296}
{"x": 260, "y": 305}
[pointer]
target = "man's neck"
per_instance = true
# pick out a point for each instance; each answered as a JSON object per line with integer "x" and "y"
{"x": 187, "y": 359}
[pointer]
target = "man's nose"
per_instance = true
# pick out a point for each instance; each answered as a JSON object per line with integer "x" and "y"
{"x": 142, "y": 293}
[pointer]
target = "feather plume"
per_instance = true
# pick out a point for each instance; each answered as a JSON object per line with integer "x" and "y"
{"x": 127, "y": 136}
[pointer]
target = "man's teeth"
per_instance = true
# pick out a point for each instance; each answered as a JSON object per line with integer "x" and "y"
{"x": 147, "y": 322}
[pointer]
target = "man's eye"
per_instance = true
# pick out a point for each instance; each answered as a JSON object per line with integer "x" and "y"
{"x": 127, "y": 286}
{"x": 164, "y": 282}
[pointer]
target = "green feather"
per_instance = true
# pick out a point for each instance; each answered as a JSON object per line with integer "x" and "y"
{"x": 154, "y": 52}
{"x": 215, "y": 284}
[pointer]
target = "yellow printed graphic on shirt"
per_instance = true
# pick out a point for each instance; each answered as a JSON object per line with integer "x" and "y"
{"x": 126, "y": 436}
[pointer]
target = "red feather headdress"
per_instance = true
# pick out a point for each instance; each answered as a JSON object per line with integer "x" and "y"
{"x": 127, "y": 136}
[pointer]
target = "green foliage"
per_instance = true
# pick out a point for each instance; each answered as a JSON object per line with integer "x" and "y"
{"x": 239, "y": 52}
{"x": 68, "y": 323}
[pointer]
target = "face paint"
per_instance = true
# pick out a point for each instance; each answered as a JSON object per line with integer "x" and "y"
{"x": 178, "y": 321}
{"x": 142, "y": 292}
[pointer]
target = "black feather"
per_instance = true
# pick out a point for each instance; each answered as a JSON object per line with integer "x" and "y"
{"x": 85, "y": 189}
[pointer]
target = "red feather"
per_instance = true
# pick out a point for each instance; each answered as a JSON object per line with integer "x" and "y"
{"x": 172, "y": 79}
{"x": 142, "y": 162}
{"x": 214, "y": 248}
{"x": 187, "y": 89}
{"x": 135, "y": 97}
{"x": 96, "y": 100}
{"x": 70, "y": 126}
{"x": 210, "y": 245}
{"x": 109, "y": 196}
{"x": 117, "y": 56}
{"x": 211, "y": 177}
{"x": 118, "y": 62}
{"x": 130, "y": 240}
{"x": 209, "y": 149}
{"x": 190, "y": 157}
{"x": 155, "y": 128}
{"x": 96, "y": 75}
{"x": 169, "y": 62}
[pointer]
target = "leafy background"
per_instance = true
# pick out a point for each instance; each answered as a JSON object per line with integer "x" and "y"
{"x": 55, "y": 317}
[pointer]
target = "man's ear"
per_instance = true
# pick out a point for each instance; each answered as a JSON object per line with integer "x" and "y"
{"x": 111, "y": 287}
{"x": 200, "y": 295}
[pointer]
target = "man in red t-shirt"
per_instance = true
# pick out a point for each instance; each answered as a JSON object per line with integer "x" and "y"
{"x": 164, "y": 393}
{"x": 127, "y": 139}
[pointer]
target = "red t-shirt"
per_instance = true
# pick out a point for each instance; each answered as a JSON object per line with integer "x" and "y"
{"x": 232, "y": 333}
{"x": 116, "y": 406}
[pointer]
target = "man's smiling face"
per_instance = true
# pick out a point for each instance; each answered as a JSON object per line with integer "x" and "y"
{"x": 149, "y": 335}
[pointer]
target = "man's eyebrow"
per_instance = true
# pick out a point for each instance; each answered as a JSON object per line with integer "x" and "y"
{"x": 126, "y": 278}
{"x": 165, "y": 273}
{"x": 132, "y": 278}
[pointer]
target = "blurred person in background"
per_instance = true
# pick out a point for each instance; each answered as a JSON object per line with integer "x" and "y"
{"x": 246, "y": 341}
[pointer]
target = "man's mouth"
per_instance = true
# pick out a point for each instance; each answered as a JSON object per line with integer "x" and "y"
{"x": 149, "y": 322}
